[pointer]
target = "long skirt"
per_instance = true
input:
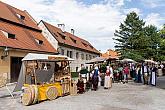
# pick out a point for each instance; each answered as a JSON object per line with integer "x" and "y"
{"x": 95, "y": 80}
{"x": 107, "y": 82}
{"x": 153, "y": 78}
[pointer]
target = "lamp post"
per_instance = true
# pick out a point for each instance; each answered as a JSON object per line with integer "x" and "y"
{"x": 5, "y": 53}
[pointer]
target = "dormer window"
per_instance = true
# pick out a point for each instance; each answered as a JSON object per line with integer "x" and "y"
{"x": 85, "y": 44}
{"x": 91, "y": 46}
{"x": 9, "y": 35}
{"x": 21, "y": 16}
{"x": 62, "y": 35}
{"x": 73, "y": 40}
{"x": 40, "y": 42}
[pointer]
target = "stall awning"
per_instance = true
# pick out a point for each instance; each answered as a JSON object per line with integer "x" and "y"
{"x": 46, "y": 57}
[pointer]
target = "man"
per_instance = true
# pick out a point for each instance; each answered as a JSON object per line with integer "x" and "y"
{"x": 145, "y": 73}
{"x": 153, "y": 75}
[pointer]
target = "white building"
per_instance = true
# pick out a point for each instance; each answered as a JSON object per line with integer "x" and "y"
{"x": 68, "y": 44}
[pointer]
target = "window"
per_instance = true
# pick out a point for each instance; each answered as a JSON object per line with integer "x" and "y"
{"x": 68, "y": 53}
{"x": 71, "y": 54}
{"x": 85, "y": 44}
{"x": 62, "y": 52}
{"x": 40, "y": 42}
{"x": 62, "y": 35}
{"x": 90, "y": 57}
{"x": 73, "y": 40}
{"x": 86, "y": 57}
{"x": 91, "y": 46}
{"x": 77, "y": 55}
{"x": 21, "y": 16}
{"x": 82, "y": 56}
{"x": 9, "y": 35}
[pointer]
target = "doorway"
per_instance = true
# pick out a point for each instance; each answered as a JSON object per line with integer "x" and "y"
{"x": 15, "y": 67}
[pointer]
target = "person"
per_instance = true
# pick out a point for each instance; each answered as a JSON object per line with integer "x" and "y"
{"x": 120, "y": 69}
{"x": 95, "y": 78}
{"x": 153, "y": 75}
{"x": 138, "y": 74}
{"x": 107, "y": 78}
{"x": 125, "y": 72}
{"x": 145, "y": 73}
{"x": 80, "y": 85}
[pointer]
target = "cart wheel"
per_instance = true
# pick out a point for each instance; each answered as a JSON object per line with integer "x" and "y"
{"x": 27, "y": 96}
{"x": 51, "y": 93}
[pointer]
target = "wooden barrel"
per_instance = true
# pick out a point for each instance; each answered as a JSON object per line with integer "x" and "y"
{"x": 27, "y": 96}
{"x": 51, "y": 93}
{"x": 35, "y": 94}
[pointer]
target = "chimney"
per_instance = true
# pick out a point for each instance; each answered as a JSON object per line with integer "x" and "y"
{"x": 72, "y": 31}
{"x": 62, "y": 27}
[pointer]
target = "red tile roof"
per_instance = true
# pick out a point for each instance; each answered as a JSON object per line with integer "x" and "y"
{"x": 10, "y": 13}
{"x": 110, "y": 53}
{"x": 25, "y": 37}
{"x": 69, "y": 39}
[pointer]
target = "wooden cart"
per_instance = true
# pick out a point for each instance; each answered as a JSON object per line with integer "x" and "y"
{"x": 45, "y": 77}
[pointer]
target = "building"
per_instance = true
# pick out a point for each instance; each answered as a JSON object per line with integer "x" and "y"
{"x": 110, "y": 53}
{"x": 68, "y": 44}
{"x": 19, "y": 35}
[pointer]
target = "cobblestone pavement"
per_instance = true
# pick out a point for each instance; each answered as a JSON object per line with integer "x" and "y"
{"x": 129, "y": 96}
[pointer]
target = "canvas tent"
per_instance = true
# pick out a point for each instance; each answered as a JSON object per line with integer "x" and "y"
{"x": 42, "y": 75}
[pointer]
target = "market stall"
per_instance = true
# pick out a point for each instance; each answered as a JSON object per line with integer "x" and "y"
{"x": 44, "y": 77}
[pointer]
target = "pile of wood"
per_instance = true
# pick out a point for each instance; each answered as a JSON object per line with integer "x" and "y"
{"x": 30, "y": 95}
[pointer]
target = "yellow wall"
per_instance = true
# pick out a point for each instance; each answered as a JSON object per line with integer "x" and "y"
{"x": 5, "y": 63}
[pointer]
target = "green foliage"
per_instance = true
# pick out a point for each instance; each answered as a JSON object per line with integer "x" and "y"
{"x": 74, "y": 74}
{"x": 83, "y": 71}
{"x": 103, "y": 68}
{"x": 136, "y": 41}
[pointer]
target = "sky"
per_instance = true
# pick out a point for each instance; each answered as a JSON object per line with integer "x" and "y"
{"x": 93, "y": 20}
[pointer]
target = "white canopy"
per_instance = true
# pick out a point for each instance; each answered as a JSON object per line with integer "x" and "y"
{"x": 150, "y": 61}
{"x": 128, "y": 60}
{"x": 47, "y": 57}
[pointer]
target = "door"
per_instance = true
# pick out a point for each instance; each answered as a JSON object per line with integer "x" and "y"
{"x": 15, "y": 68}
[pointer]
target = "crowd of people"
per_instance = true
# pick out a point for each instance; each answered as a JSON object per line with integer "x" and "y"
{"x": 145, "y": 73}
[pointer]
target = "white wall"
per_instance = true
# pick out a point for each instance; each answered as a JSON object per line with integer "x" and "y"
{"x": 54, "y": 43}
{"x": 79, "y": 61}
{"x": 48, "y": 35}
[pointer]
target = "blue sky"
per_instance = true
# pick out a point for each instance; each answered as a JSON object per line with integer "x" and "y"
{"x": 93, "y": 20}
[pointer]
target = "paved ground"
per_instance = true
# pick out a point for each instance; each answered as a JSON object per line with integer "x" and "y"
{"x": 129, "y": 96}
{"x": 161, "y": 82}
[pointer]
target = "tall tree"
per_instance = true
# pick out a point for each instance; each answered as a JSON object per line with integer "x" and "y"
{"x": 162, "y": 44}
{"x": 153, "y": 39}
{"x": 130, "y": 35}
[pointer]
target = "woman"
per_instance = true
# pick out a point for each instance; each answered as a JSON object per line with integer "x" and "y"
{"x": 80, "y": 85}
{"x": 107, "y": 78}
{"x": 95, "y": 78}
{"x": 125, "y": 72}
{"x": 138, "y": 73}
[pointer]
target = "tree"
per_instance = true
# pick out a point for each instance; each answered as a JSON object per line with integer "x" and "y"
{"x": 162, "y": 44}
{"x": 130, "y": 36}
{"x": 153, "y": 39}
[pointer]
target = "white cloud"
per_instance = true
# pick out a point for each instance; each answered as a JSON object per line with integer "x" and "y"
{"x": 95, "y": 23}
{"x": 154, "y": 19}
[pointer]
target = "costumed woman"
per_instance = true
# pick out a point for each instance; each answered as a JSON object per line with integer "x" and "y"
{"x": 108, "y": 78}
{"x": 95, "y": 78}
{"x": 138, "y": 74}
{"x": 80, "y": 85}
